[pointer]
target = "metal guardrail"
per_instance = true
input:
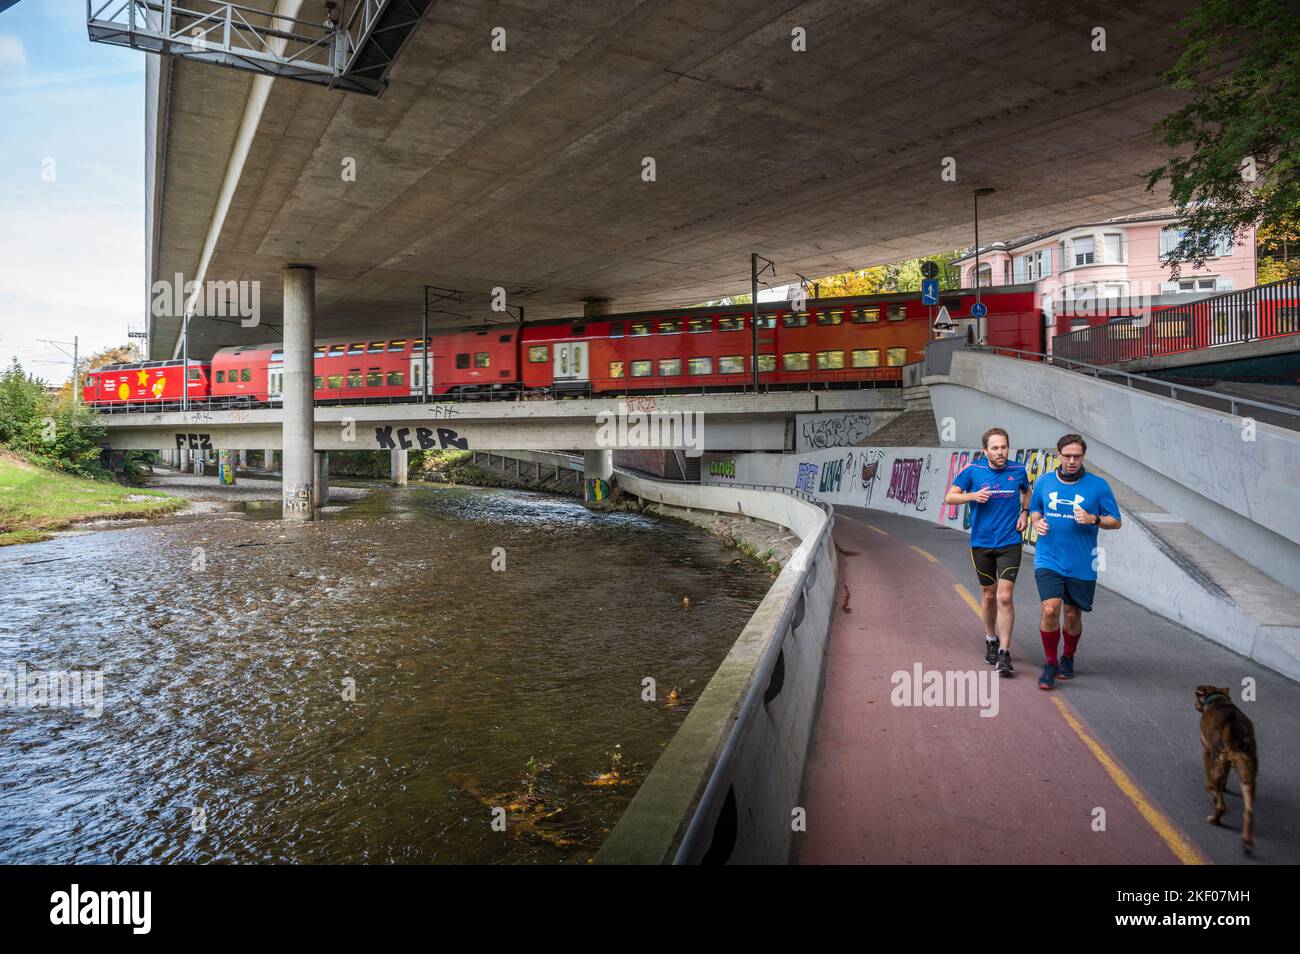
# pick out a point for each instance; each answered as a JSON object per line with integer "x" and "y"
{"x": 1289, "y": 417}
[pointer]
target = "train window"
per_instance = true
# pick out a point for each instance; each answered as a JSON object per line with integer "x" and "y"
{"x": 374, "y": 378}
{"x": 616, "y": 369}
{"x": 767, "y": 362}
{"x": 1123, "y": 328}
{"x": 798, "y": 319}
{"x": 731, "y": 322}
{"x": 732, "y": 364}
{"x": 896, "y": 312}
{"x": 277, "y": 357}
{"x": 337, "y": 351}
{"x": 795, "y": 361}
{"x": 830, "y": 316}
{"x": 482, "y": 359}
{"x": 396, "y": 379}
{"x": 318, "y": 382}
{"x": 699, "y": 325}
{"x": 670, "y": 367}
{"x": 766, "y": 322}
{"x": 865, "y": 358}
{"x": 539, "y": 353}
{"x": 377, "y": 347}
{"x": 357, "y": 347}
{"x": 245, "y": 374}
{"x": 616, "y": 329}
{"x": 354, "y": 377}
{"x": 504, "y": 339}
{"x": 642, "y": 369}
{"x": 336, "y": 381}
{"x": 578, "y": 330}
{"x": 398, "y": 345}
{"x": 462, "y": 360}
{"x": 221, "y": 377}
{"x": 640, "y": 329}
{"x": 896, "y": 357}
{"x": 699, "y": 365}
{"x": 830, "y": 360}
{"x": 321, "y": 350}
{"x": 670, "y": 327}
{"x": 194, "y": 374}
{"x": 1172, "y": 328}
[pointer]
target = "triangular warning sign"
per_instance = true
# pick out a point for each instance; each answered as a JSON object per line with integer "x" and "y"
{"x": 942, "y": 322}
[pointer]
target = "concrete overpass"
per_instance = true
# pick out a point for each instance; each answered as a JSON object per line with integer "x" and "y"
{"x": 523, "y": 168}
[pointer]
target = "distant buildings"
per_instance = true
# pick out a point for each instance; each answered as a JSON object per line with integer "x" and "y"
{"x": 1078, "y": 267}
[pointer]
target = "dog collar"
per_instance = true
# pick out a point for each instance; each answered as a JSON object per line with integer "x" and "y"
{"x": 1211, "y": 695}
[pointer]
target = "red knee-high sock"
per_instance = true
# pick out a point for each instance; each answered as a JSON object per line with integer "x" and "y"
{"x": 1050, "y": 640}
{"x": 1071, "y": 642}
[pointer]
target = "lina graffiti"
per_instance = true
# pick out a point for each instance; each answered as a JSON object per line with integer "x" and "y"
{"x": 958, "y": 462}
{"x": 870, "y": 470}
{"x": 723, "y": 468}
{"x": 905, "y": 482}
{"x": 844, "y": 430}
{"x": 424, "y": 438}
{"x": 833, "y": 474}
{"x": 806, "y": 478}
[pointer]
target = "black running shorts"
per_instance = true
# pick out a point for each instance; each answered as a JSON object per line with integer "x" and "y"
{"x": 996, "y": 563}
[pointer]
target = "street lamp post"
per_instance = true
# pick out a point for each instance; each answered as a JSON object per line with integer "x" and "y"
{"x": 978, "y": 193}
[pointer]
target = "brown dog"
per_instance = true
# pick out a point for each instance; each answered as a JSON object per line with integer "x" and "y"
{"x": 1228, "y": 738}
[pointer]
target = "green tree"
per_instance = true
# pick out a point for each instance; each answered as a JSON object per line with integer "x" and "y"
{"x": 1236, "y": 142}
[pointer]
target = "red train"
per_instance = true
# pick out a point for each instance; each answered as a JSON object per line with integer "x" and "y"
{"x": 830, "y": 342}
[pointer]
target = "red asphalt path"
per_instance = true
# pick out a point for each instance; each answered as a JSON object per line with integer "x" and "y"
{"x": 942, "y": 785}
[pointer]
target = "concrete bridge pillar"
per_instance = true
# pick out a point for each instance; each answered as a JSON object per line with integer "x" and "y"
{"x": 398, "y": 467}
{"x": 597, "y": 473}
{"x": 268, "y": 459}
{"x": 321, "y": 480}
{"x": 297, "y": 443}
{"x": 243, "y": 458}
{"x": 183, "y": 459}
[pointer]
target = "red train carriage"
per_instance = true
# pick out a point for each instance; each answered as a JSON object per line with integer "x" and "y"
{"x": 157, "y": 384}
{"x": 831, "y": 341}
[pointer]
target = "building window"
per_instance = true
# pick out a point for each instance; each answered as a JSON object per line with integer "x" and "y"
{"x": 642, "y": 369}
{"x": 670, "y": 367}
{"x": 670, "y": 327}
{"x": 1006, "y": 272}
{"x": 830, "y": 316}
{"x": 985, "y": 278}
{"x": 462, "y": 360}
{"x": 866, "y": 358}
{"x": 897, "y": 312}
{"x": 732, "y": 364}
{"x": 537, "y": 354}
{"x": 767, "y": 362}
{"x": 865, "y": 314}
{"x": 616, "y": 369}
{"x": 830, "y": 360}
{"x": 699, "y": 365}
{"x": 482, "y": 359}
{"x": 731, "y": 322}
{"x": 699, "y": 326}
{"x": 1114, "y": 248}
{"x": 1084, "y": 253}
{"x": 795, "y": 361}
{"x": 798, "y": 319}
{"x": 897, "y": 357}
{"x": 1196, "y": 284}
{"x": 396, "y": 379}
{"x": 640, "y": 329}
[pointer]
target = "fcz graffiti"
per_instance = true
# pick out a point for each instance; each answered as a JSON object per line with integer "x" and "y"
{"x": 194, "y": 441}
{"x": 424, "y": 437}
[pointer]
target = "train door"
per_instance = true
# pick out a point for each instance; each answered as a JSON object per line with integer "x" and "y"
{"x": 274, "y": 382}
{"x": 570, "y": 366}
{"x": 418, "y": 362}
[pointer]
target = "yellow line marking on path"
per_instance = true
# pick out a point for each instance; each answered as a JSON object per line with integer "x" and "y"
{"x": 970, "y": 600}
{"x": 1183, "y": 849}
{"x": 877, "y": 529}
{"x": 928, "y": 556}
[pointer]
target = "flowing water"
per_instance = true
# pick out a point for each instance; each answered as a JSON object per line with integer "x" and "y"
{"x": 368, "y": 687}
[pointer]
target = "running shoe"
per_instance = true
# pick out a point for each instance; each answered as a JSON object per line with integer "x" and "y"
{"x": 1004, "y": 663}
{"x": 1048, "y": 679}
{"x": 1066, "y": 669}
{"x": 990, "y": 650}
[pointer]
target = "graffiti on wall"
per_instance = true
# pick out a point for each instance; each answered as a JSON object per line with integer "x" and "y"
{"x": 870, "y": 469}
{"x": 1037, "y": 461}
{"x": 805, "y": 480}
{"x": 839, "y": 430}
{"x": 905, "y": 482}
{"x": 959, "y": 461}
{"x": 723, "y": 468}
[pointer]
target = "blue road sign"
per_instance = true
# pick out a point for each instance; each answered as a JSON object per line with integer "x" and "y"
{"x": 930, "y": 291}
{"x": 979, "y": 310}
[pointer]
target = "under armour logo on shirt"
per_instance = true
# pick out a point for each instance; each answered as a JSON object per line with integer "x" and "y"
{"x": 1055, "y": 502}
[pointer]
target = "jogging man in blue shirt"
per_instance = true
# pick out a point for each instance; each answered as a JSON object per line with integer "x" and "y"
{"x": 996, "y": 490}
{"x": 1068, "y": 508}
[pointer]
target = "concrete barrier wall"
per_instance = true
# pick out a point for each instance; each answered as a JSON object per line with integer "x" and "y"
{"x": 912, "y": 481}
{"x": 754, "y": 767}
{"x": 1237, "y": 484}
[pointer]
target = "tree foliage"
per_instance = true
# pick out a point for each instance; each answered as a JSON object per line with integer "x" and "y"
{"x": 1236, "y": 142}
{"x": 46, "y": 429}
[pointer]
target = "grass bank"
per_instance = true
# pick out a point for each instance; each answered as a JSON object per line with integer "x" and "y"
{"x": 34, "y": 501}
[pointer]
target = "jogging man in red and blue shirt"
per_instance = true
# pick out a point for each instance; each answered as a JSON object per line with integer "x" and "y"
{"x": 1068, "y": 508}
{"x": 996, "y": 490}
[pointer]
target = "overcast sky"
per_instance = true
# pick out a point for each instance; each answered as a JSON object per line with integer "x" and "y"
{"x": 72, "y": 248}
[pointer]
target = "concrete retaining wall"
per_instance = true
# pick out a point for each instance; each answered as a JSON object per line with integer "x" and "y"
{"x": 751, "y": 768}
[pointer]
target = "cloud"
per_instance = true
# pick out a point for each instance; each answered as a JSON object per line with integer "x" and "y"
{"x": 13, "y": 55}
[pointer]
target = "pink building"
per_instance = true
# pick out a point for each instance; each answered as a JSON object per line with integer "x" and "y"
{"x": 1123, "y": 257}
